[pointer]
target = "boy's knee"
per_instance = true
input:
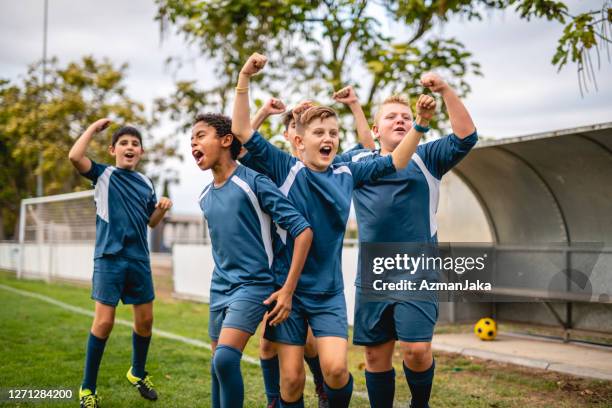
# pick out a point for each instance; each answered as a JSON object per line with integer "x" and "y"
{"x": 144, "y": 326}
{"x": 226, "y": 360}
{"x": 102, "y": 327}
{"x": 292, "y": 384}
{"x": 335, "y": 374}
{"x": 374, "y": 356}
{"x": 417, "y": 353}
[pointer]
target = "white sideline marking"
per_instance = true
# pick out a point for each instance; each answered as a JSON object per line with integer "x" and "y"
{"x": 80, "y": 310}
{"x": 157, "y": 332}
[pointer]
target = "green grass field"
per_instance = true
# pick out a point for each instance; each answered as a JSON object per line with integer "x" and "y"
{"x": 43, "y": 346}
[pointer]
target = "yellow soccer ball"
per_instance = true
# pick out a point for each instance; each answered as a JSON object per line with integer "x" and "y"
{"x": 486, "y": 329}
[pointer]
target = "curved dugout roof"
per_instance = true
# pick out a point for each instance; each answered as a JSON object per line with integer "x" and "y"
{"x": 545, "y": 188}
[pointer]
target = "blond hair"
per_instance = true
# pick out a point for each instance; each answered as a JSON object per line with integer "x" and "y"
{"x": 397, "y": 98}
{"x": 310, "y": 115}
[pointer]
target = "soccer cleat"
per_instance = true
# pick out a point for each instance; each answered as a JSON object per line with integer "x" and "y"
{"x": 322, "y": 396}
{"x": 88, "y": 399}
{"x": 144, "y": 385}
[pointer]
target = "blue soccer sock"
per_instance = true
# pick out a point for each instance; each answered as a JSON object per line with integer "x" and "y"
{"x": 140, "y": 349}
{"x": 296, "y": 404}
{"x": 95, "y": 350}
{"x": 381, "y": 388}
{"x": 227, "y": 365}
{"x": 271, "y": 377}
{"x": 315, "y": 368}
{"x": 341, "y": 397}
{"x": 214, "y": 389}
{"x": 420, "y": 385}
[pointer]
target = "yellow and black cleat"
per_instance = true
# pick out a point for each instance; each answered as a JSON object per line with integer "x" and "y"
{"x": 88, "y": 399}
{"x": 144, "y": 385}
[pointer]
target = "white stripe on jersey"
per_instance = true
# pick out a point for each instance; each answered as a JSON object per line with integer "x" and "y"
{"x": 204, "y": 192}
{"x": 343, "y": 169}
{"x": 101, "y": 193}
{"x": 264, "y": 219}
{"x": 434, "y": 193}
{"x": 146, "y": 180}
{"x": 282, "y": 234}
{"x": 358, "y": 156}
{"x": 291, "y": 178}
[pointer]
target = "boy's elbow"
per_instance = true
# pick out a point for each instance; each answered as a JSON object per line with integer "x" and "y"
{"x": 398, "y": 163}
{"x": 306, "y": 235}
{"x": 240, "y": 133}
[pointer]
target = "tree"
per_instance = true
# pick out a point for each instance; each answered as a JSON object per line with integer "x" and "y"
{"x": 47, "y": 119}
{"x": 315, "y": 47}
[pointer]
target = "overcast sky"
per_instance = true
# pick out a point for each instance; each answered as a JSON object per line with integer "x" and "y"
{"x": 520, "y": 93}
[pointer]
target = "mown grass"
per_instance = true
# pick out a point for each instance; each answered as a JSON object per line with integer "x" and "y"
{"x": 43, "y": 346}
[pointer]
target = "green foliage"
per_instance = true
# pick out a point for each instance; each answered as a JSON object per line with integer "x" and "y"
{"x": 43, "y": 121}
{"x": 316, "y": 47}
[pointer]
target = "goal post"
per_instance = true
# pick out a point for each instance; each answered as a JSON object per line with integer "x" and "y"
{"x": 57, "y": 236}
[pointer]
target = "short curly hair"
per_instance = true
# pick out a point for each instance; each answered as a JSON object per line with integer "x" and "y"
{"x": 223, "y": 126}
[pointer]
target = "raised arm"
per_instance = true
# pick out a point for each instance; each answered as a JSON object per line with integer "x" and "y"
{"x": 272, "y": 107}
{"x": 425, "y": 108}
{"x": 460, "y": 119}
{"x": 348, "y": 97}
{"x": 79, "y": 149}
{"x": 241, "y": 121}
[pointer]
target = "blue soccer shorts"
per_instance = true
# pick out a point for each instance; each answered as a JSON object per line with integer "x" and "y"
{"x": 243, "y": 315}
{"x": 116, "y": 277}
{"x": 379, "y": 322}
{"x": 325, "y": 314}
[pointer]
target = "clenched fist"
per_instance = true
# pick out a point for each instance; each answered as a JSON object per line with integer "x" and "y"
{"x": 254, "y": 64}
{"x": 301, "y": 108}
{"x": 426, "y": 107}
{"x": 434, "y": 82}
{"x": 100, "y": 124}
{"x": 164, "y": 203}
{"x": 274, "y": 106}
{"x": 346, "y": 95}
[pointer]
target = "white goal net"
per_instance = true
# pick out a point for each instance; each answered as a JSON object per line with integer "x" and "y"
{"x": 57, "y": 236}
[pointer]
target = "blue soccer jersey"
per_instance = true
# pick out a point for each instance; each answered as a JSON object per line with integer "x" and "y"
{"x": 402, "y": 207}
{"x": 125, "y": 200}
{"x": 324, "y": 198}
{"x": 239, "y": 215}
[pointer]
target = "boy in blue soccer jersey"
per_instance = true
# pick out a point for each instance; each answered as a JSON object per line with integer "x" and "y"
{"x": 321, "y": 191}
{"x": 267, "y": 351}
{"x": 125, "y": 205}
{"x": 268, "y": 355}
{"x": 406, "y": 204}
{"x": 240, "y": 205}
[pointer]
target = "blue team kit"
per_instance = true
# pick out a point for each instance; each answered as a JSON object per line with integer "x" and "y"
{"x": 241, "y": 215}
{"x": 324, "y": 199}
{"x": 121, "y": 257}
{"x": 402, "y": 207}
